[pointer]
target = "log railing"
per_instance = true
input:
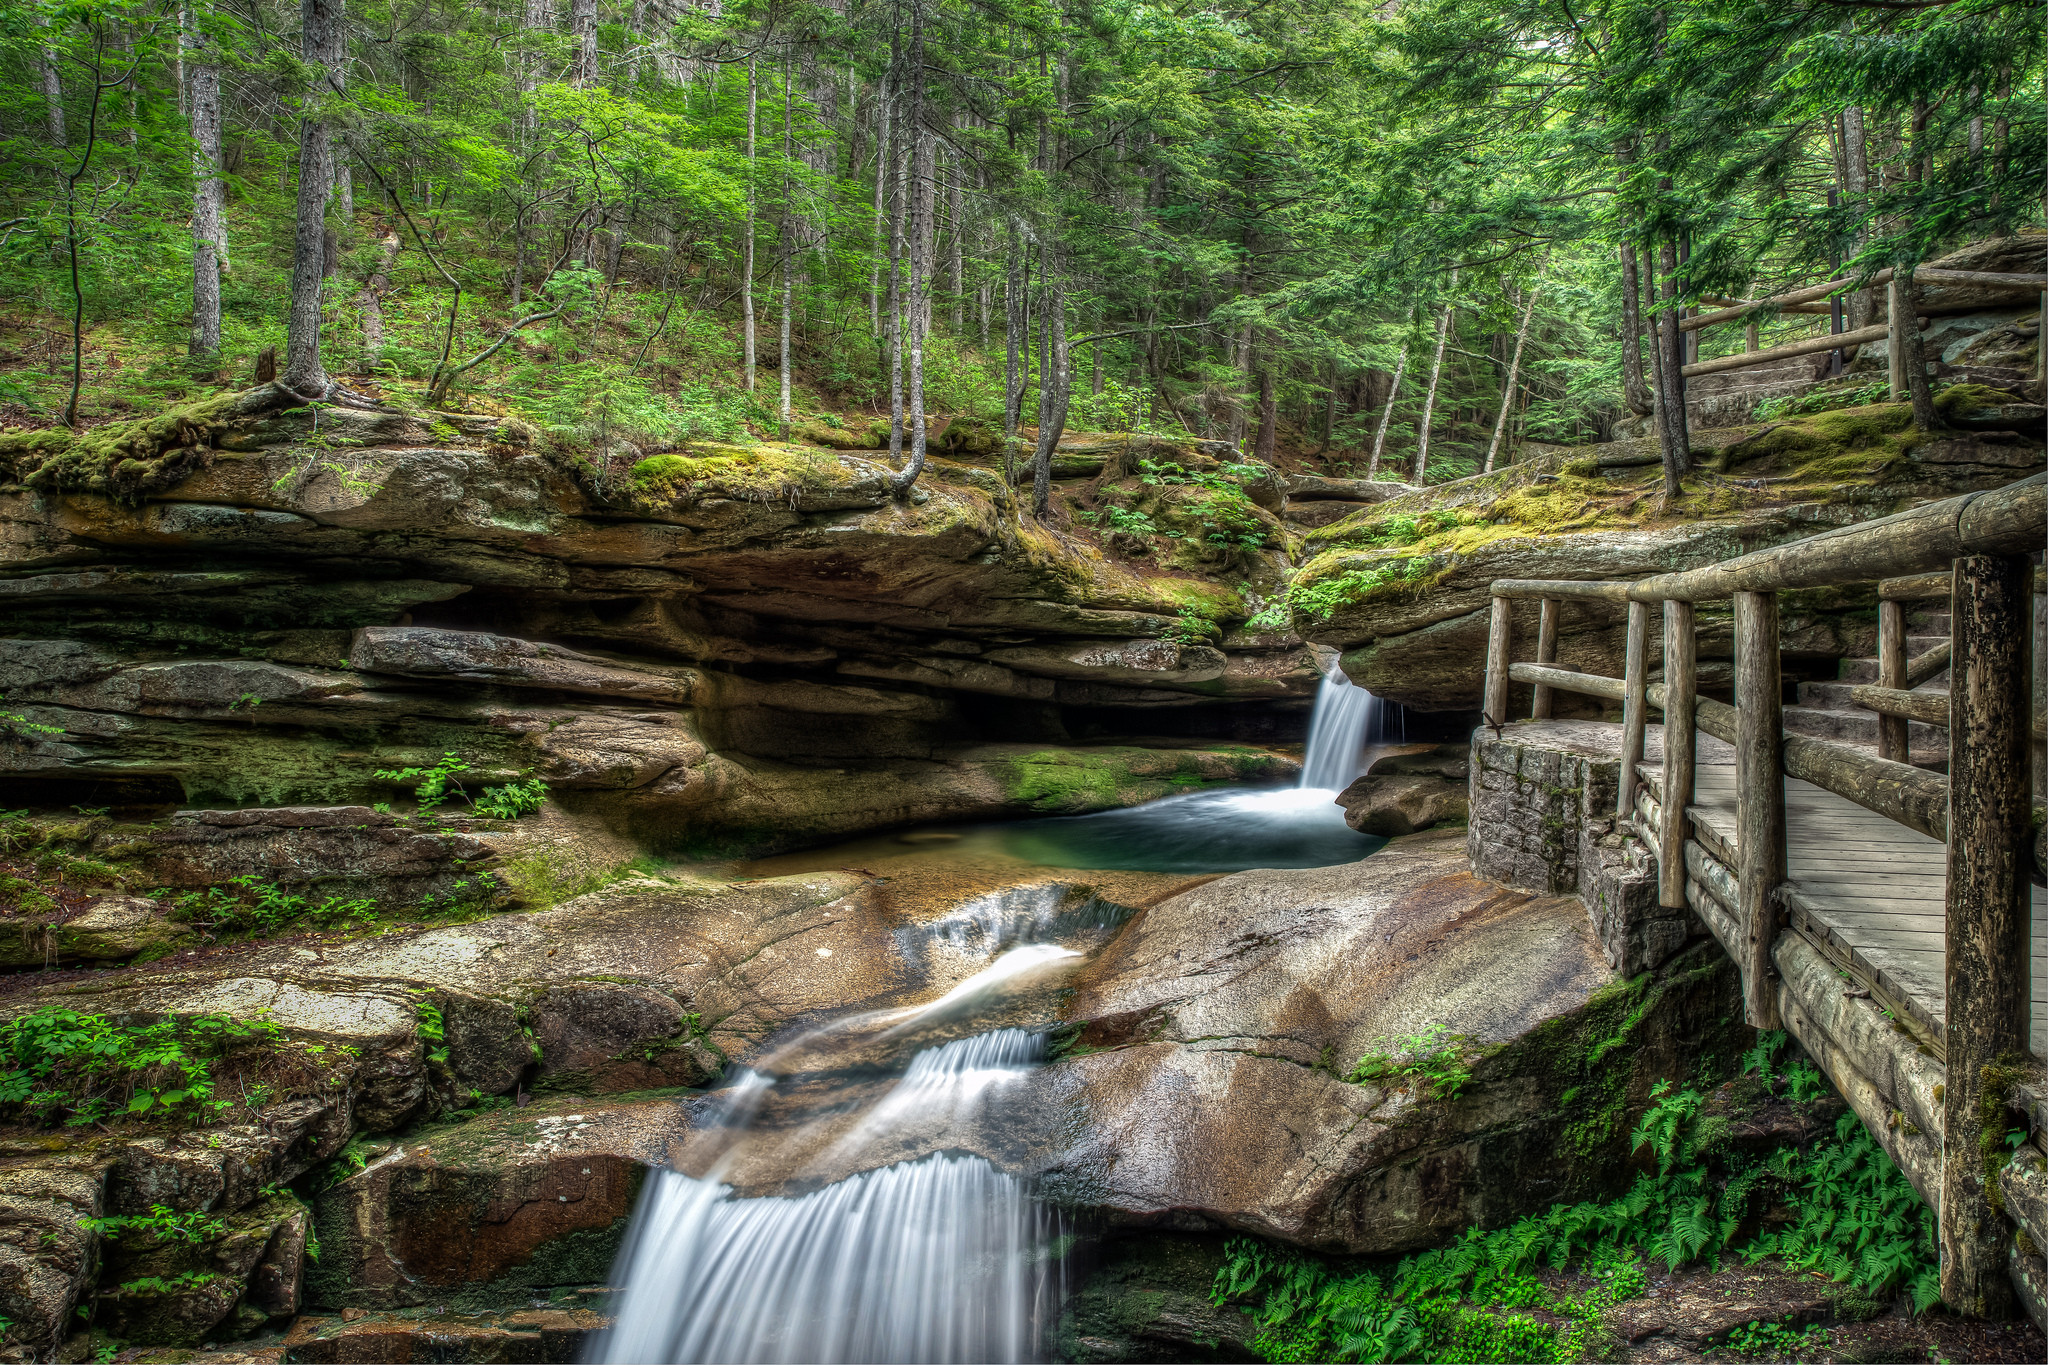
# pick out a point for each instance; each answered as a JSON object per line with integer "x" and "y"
{"x": 1811, "y": 297}
{"x": 1973, "y": 549}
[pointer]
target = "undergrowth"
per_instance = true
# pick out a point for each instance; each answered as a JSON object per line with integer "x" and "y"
{"x": 58, "y": 1066}
{"x": 1840, "y": 1208}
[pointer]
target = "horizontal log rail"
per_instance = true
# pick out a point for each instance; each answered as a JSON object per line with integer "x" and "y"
{"x": 1921, "y": 587}
{"x": 1929, "y": 708}
{"x": 1797, "y": 300}
{"x": 1790, "y": 350}
{"x": 1806, "y": 295}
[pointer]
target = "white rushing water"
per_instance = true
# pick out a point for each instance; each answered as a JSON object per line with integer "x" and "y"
{"x": 942, "y": 1258}
{"x": 933, "y": 1260}
{"x": 1346, "y": 719}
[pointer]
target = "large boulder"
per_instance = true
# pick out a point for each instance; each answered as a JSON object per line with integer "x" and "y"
{"x": 1404, "y": 792}
{"x": 1212, "y": 1041}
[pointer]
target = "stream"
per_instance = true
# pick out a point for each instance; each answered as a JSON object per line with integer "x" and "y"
{"x": 860, "y": 1190}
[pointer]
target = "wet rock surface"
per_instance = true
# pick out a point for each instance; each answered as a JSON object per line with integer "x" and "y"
{"x": 1259, "y": 992}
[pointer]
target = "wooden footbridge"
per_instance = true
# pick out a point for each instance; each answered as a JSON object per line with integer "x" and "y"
{"x": 1888, "y": 916}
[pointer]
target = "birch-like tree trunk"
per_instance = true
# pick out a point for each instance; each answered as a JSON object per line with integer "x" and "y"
{"x": 923, "y": 196}
{"x": 1016, "y": 332}
{"x": 323, "y": 47}
{"x": 898, "y": 205}
{"x": 882, "y": 137}
{"x": 1635, "y": 386}
{"x": 370, "y": 302}
{"x": 1507, "y": 394}
{"x": 1436, "y": 371}
{"x": 747, "y": 341}
{"x": 1856, "y": 156}
{"x": 209, "y": 227}
{"x": 53, "y": 93}
{"x": 1379, "y": 439}
{"x": 1676, "y": 439}
{"x": 958, "y": 244}
{"x": 1055, "y": 388}
{"x": 792, "y": 234}
{"x": 583, "y": 32}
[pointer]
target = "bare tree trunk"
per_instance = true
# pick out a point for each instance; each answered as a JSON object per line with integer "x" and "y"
{"x": 897, "y": 208}
{"x": 958, "y": 246}
{"x": 747, "y": 341}
{"x": 1055, "y": 387}
{"x": 583, "y": 33}
{"x": 924, "y": 206}
{"x": 536, "y": 21}
{"x": 1015, "y": 333}
{"x": 1379, "y": 440}
{"x": 1906, "y": 336}
{"x": 882, "y": 132}
{"x": 1856, "y": 157}
{"x": 923, "y": 198}
{"x": 1507, "y": 394}
{"x": 1269, "y": 404}
{"x": 1635, "y": 388}
{"x": 53, "y": 93}
{"x": 792, "y": 234}
{"x": 323, "y": 47}
{"x": 370, "y": 302}
{"x": 1436, "y": 370}
{"x": 1675, "y": 440}
{"x": 209, "y": 228}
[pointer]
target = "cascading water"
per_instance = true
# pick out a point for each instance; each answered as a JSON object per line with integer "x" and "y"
{"x": 937, "y": 1256}
{"x": 1346, "y": 719}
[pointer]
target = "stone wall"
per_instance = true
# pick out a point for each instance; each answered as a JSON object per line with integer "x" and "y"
{"x": 1543, "y": 795}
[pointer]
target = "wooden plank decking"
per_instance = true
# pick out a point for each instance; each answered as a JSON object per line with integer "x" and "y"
{"x": 1869, "y": 891}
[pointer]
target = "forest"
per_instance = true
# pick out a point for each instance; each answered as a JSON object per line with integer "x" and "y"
{"x": 1402, "y": 237}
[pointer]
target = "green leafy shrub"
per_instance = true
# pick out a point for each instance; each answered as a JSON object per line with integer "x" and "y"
{"x": 160, "y": 1224}
{"x": 58, "y": 1065}
{"x": 1437, "y": 1057}
{"x": 1845, "y": 1211}
{"x": 248, "y": 905}
{"x": 1324, "y": 597}
{"x": 512, "y": 800}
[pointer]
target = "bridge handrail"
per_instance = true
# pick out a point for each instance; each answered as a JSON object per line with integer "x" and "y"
{"x": 1973, "y": 548}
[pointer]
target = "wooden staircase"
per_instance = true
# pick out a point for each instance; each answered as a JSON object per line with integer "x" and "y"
{"x": 1826, "y": 710}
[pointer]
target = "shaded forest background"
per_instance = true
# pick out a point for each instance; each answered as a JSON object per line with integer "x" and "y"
{"x": 1307, "y": 227}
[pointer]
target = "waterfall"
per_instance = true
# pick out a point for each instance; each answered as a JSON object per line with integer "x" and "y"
{"x": 938, "y": 1258}
{"x": 1346, "y": 719}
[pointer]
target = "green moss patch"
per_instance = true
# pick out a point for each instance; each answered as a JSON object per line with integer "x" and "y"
{"x": 124, "y": 460}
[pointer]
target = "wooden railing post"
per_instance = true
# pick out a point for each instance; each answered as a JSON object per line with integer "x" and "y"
{"x": 1546, "y": 653}
{"x": 1635, "y": 677}
{"x": 1760, "y": 796}
{"x": 1891, "y": 672}
{"x": 1500, "y": 640}
{"x": 1681, "y": 692}
{"x": 1989, "y": 976}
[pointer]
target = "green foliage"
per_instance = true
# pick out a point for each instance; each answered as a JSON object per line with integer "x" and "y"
{"x": 1322, "y": 598}
{"x": 1825, "y": 399}
{"x": 58, "y": 1065}
{"x": 1847, "y": 1212}
{"x": 433, "y": 786}
{"x": 1435, "y": 1056}
{"x": 353, "y": 1157}
{"x": 15, "y": 725}
{"x": 1191, "y": 627}
{"x": 1776, "y": 1340}
{"x": 160, "y": 1224}
{"x": 512, "y": 800}
{"x": 248, "y": 905}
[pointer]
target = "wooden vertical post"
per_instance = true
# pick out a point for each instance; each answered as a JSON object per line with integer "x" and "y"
{"x": 1636, "y": 676}
{"x": 1900, "y": 315}
{"x": 1760, "y": 796}
{"x": 1546, "y": 653}
{"x": 1989, "y": 976}
{"x": 1891, "y": 672}
{"x": 1500, "y": 640}
{"x": 1681, "y": 693}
